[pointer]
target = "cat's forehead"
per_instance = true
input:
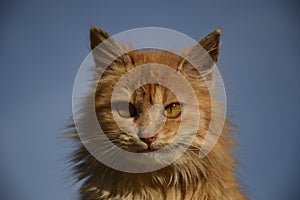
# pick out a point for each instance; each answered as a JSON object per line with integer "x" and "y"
{"x": 154, "y": 93}
{"x": 151, "y": 94}
{"x": 162, "y": 57}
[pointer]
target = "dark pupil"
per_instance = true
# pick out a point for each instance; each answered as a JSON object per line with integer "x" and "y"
{"x": 172, "y": 106}
{"x": 132, "y": 110}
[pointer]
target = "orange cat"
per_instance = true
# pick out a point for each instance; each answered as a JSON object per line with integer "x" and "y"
{"x": 190, "y": 176}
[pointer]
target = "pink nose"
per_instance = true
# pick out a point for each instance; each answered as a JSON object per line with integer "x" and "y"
{"x": 148, "y": 140}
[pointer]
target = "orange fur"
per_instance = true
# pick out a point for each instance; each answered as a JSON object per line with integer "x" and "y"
{"x": 189, "y": 177}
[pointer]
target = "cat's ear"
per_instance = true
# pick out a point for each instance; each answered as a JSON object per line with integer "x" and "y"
{"x": 202, "y": 58}
{"x": 97, "y": 36}
{"x": 106, "y": 50}
{"x": 211, "y": 43}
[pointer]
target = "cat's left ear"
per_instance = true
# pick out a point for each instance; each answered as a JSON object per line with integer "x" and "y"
{"x": 202, "y": 58}
{"x": 211, "y": 43}
{"x": 105, "y": 49}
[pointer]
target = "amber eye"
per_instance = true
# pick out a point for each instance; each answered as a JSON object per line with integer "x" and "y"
{"x": 172, "y": 110}
{"x": 126, "y": 110}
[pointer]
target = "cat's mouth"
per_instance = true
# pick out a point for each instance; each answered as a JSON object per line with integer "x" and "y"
{"x": 151, "y": 148}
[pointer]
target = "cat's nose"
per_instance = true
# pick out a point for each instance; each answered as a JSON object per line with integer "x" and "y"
{"x": 148, "y": 140}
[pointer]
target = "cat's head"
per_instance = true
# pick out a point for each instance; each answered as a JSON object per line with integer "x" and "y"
{"x": 151, "y": 117}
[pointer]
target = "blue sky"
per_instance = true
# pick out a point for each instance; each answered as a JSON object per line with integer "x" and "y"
{"x": 44, "y": 42}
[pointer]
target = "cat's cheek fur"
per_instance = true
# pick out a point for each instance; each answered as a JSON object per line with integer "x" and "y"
{"x": 126, "y": 125}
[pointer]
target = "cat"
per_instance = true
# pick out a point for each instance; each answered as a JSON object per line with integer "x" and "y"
{"x": 211, "y": 177}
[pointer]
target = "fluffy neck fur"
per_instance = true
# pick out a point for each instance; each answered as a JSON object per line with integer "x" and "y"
{"x": 188, "y": 178}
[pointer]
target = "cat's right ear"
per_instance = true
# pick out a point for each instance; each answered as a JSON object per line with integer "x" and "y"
{"x": 106, "y": 50}
{"x": 201, "y": 58}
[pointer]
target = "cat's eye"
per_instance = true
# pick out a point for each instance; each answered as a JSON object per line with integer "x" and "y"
{"x": 126, "y": 110}
{"x": 172, "y": 110}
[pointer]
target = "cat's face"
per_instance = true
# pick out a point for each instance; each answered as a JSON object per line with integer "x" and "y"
{"x": 151, "y": 118}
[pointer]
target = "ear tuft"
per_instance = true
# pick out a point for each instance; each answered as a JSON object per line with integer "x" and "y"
{"x": 211, "y": 43}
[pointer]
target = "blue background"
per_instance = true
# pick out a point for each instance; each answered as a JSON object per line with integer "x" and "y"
{"x": 42, "y": 44}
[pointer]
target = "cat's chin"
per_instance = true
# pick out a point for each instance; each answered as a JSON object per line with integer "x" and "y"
{"x": 148, "y": 150}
